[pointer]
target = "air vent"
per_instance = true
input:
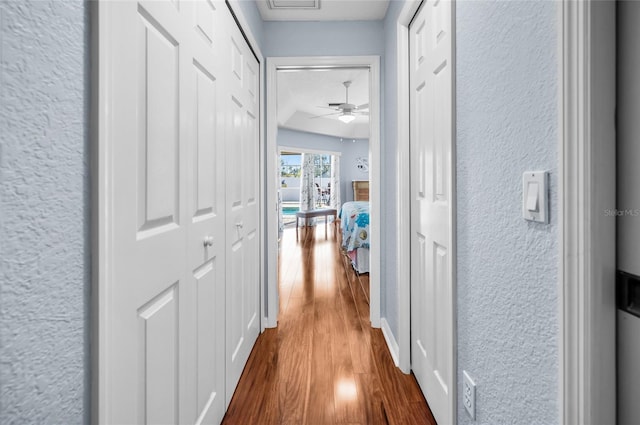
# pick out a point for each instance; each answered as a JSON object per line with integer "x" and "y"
{"x": 293, "y": 4}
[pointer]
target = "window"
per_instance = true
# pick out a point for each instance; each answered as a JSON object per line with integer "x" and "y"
{"x": 290, "y": 165}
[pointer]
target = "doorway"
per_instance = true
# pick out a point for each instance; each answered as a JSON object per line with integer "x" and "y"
{"x": 323, "y": 64}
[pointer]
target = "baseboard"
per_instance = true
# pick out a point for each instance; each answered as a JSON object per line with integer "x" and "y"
{"x": 391, "y": 341}
{"x": 269, "y": 324}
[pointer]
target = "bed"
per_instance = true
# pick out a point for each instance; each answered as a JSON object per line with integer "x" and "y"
{"x": 354, "y": 224}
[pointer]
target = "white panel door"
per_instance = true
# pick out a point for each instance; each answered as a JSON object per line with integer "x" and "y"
{"x": 432, "y": 249}
{"x": 164, "y": 356}
{"x": 206, "y": 211}
{"x": 242, "y": 146}
{"x": 148, "y": 293}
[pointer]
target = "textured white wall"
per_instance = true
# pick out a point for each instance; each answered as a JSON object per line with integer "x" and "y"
{"x": 507, "y": 123}
{"x": 44, "y": 232}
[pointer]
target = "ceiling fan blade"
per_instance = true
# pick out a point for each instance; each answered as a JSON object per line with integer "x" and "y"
{"x": 324, "y": 115}
{"x": 363, "y": 113}
{"x": 363, "y": 106}
{"x": 335, "y": 104}
{"x": 328, "y": 107}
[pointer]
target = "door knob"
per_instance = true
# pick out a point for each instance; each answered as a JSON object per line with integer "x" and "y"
{"x": 208, "y": 241}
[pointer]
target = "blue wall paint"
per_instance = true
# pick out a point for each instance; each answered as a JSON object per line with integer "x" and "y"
{"x": 350, "y": 151}
{"x": 254, "y": 20}
{"x": 507, "y": 123}
{"x": 44, "y": 225}
{"x": 353, "y": 38}
{"x": 389, "y": 131}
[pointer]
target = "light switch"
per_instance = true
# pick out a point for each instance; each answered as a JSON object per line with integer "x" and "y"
{"x": 534, "y": 196}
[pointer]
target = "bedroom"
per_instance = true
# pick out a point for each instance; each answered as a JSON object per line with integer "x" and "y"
{"x": 323, "y": 155}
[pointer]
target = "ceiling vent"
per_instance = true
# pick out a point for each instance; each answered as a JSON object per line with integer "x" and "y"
{"x": 293, "y": 4}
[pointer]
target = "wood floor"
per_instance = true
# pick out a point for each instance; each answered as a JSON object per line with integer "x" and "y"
{"x": 323, "y": 364}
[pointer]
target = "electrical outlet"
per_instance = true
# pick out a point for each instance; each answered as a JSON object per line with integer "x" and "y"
{"x": 469, "y": 394}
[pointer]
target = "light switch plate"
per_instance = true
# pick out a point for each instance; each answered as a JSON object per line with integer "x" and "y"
{"x": 535, "y": 189}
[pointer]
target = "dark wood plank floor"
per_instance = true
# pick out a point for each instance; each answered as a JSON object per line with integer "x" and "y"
{"x": 323, "y": 364}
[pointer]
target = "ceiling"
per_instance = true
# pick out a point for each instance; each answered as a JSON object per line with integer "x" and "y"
{"x": 322, "y": 10}
{"x": 305, "y": 94}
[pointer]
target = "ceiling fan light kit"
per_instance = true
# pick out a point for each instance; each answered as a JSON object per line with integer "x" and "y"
{"x": 345, "y": 111}
{"x": 346, "y": 117}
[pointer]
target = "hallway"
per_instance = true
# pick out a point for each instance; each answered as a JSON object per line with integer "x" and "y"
{"x": 324, "y": 364}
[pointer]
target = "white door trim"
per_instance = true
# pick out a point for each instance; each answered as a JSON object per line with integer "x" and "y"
{"x": 101, "y": 210}
{"x": 373, "y": 62}
{"x": 586, "y": 188}
{"x": 403, "y": 206}
{"x": 305, "y": 150}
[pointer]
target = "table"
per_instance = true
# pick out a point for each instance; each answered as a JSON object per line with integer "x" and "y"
{"x": 320, "y": 212}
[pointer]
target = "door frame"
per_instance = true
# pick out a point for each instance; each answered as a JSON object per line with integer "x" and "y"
{"x": 101, "y": 200}
{"x": 586, "y": 174}
{"x": 273, "y": 64}
{"x": 403, "y": 208}
{"x": 305, "y": 150}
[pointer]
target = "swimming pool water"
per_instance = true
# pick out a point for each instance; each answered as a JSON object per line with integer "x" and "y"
{"x": 290, "y": 210}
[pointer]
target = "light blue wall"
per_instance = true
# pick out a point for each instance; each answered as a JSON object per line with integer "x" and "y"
{"x": 350, "y": 151}
{"x": 254, "y": 20}
{"x": 353, "y": 38}
{"x": 507, "y": 123}
{"x": 389, "y": 131}
{"x": 44, "y": 206}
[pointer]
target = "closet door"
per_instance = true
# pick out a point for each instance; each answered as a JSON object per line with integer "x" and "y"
{"x": 243, "y": 260}
{"x": 206, "y": 212}
{"x": 432, "y": 206}
{"x": 148, "y": 293}
{"x": 162, "y": 332}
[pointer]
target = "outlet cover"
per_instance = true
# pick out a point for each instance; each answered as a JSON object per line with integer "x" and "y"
{"x": 469, "y": 394}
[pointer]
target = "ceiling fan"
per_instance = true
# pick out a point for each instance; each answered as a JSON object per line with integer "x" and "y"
{"x": 346, "y": 111}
